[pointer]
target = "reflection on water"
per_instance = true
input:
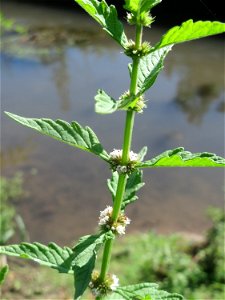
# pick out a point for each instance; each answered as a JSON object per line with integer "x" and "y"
{"x": 195, "y": 97}
{"x": 62, "y": 82}
{"x": 16, "y": 155}
{"x": 54, "y": 71}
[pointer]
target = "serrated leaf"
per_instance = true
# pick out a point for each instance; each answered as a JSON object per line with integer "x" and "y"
{"x": 3, "y": 273}
{"x": 52, "y": 255}
{"x": 140, "y": 6}
{"x": 142, "y": 291}
{"x": 190, "y": 30}
{"x": 84, "y": 261}
{"x": 149, "y": 68}
{"x": 107, "y": 17}
{"x": 134, "y": 183}
{"x": 104, "y": 104}
{"x": 72, "y": 134}
{"x": 180, "y": 158}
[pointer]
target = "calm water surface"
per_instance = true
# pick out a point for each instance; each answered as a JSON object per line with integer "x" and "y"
{"x": 55, "y": 72}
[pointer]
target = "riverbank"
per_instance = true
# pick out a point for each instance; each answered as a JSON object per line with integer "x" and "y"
{"x": 177, "y": 263}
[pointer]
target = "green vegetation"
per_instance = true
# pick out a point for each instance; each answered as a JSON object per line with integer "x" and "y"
{"x": 9, "y": 25}
{"x": 166, "y": 263}
{"x": 176, "y": 263}
{"x": 194, "y": 269}
{"x": 11, "y": 190}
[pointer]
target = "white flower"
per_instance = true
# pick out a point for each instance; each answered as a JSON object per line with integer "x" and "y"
{"x": 120, "y": 229}
{"x": 115, "y": 283}
{"x": 105, "y": 215}
{"x": 133, "y": 156}
{"x": 106, "y": 223}
{"x": 127, "y": 220}
{"x": 116, "y": 154}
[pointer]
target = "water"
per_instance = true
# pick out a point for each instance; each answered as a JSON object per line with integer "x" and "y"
{"x": 55, "y": 72}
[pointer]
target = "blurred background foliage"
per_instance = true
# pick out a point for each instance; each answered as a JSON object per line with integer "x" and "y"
{"x": 11, "y": 190}
{"x": 195, "y": 269}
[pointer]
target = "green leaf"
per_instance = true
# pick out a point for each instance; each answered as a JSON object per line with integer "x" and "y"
{"x": 190, "y": 30}
{"x": 134, "y": 183}
{"x": 142, "y": 291}
{"x": 73, "y": 134}
{"x": 142, "y": 153}
{"x": 140, "y": 6}
{"x": 147, "y": 5}
{"x": 104, "y": 103}
{"x": 150, "y": 66}
{"x": 3, "y": 273}
{"x": 84, "y": 261}
{"x": 107, "y": 17}
{"x": 51, "y": 256}
{"x": 180, "y": 158}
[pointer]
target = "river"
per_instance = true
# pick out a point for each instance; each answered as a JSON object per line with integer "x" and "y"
{"x": 55, "y": 71}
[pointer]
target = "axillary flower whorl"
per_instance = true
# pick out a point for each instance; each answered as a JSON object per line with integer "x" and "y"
{"x": 106, "y": 223}
{"x": 101, "y": 288}
{"x": 116, "y": 161}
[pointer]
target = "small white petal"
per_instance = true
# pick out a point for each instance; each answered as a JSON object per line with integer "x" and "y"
{"x": 120, "y": 229}
{"x": 115, "y": 283}
{"x": 127, "y": 221}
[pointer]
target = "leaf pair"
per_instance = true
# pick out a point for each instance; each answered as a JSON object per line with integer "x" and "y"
{"x": 84, "y": 138}
{"x": 151, "y": 64}
{"x": 149, "y": 68}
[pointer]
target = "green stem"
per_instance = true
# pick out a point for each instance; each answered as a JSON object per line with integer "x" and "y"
{"x": 125, "y": 157}
{"x": 106, "y": 259}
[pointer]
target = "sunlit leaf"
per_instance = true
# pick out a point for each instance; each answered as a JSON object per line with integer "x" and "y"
{"x": 52, "y": 255}
{"x": 84, "y": 261}
{"x": 180, "y": 158}
{"x": 104, "y": 104}
{"x": 140, "y": 6}
{"x": 150, "y": 66}
{"x": 73, "y": 134}
{"x": 107, "y": 17}
{"x": 190, "y": 30}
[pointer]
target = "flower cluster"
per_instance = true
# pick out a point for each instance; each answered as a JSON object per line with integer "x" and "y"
{"x": 116, "y": 158}
{"x": 101, "y": 288}
{"x": 131, "y": 49}
{"x": 144, "y": 19}
{"x": 106, "y": 223}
